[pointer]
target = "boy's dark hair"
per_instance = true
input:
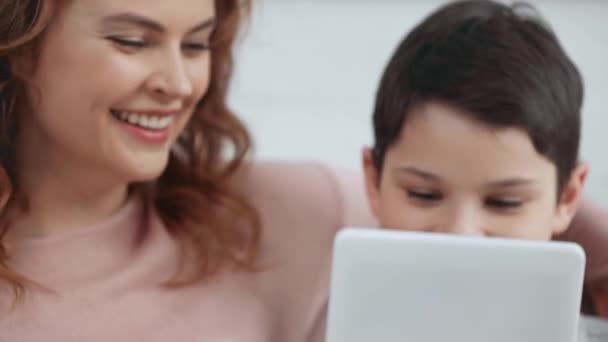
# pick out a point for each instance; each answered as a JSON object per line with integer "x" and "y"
{"x": 501, "y": 64}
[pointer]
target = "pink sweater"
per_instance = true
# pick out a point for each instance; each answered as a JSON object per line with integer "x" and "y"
{"x": 106, "y": 276}
{"x": 106, "y": 280}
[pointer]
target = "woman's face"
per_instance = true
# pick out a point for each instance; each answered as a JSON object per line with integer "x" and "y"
{"x": 115, "y": 84}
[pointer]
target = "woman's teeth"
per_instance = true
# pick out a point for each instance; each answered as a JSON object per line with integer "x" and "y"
{"x": 144, "y": 121}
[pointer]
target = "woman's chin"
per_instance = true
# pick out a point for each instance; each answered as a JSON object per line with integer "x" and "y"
{"x": 144, "y": 172}
{"x": 143, "y": 176}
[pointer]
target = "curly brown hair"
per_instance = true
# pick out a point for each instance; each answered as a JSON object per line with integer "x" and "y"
{"x": 214, "y": 224}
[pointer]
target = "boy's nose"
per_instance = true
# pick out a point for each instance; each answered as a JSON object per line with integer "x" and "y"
{"x": 463, "y": 220}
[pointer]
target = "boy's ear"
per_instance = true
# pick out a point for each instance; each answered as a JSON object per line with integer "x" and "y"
{"x": 372, "y": 181}
{"x": 570, "y": 198}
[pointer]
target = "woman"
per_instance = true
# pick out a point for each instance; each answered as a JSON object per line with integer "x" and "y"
{"x": 124, "y": 216}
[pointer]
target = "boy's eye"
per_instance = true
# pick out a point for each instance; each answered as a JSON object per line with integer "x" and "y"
{"x": 504, "y": 203}
{"x": 424, "y": 195}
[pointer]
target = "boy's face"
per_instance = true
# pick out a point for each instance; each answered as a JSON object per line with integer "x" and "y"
{"x": 448, "y": 173}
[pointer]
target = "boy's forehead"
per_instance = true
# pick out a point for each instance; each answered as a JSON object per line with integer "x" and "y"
{"x": 438, "y": 120}
{"x": 446, "y": 140}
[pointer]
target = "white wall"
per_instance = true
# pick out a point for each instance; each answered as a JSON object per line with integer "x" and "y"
{"x": 308, "y": 70}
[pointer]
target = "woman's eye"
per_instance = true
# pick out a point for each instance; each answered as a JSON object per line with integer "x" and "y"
{"x": 504, "y": 203}
{"x": 128, "y": 42}
{"x": 196, "y": 46}
{"x": 424, "y": 196}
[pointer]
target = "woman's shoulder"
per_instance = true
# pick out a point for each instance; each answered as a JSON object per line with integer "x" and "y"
{"x": 272, "y": 175}
{"x": 301, "y": 209}
{"x": 307, "y": 190}
{"x": 283, "y": 183}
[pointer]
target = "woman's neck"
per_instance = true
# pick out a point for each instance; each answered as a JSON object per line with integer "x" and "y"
{"x": 63, "y": 205}
{"x": 63, "y": 194}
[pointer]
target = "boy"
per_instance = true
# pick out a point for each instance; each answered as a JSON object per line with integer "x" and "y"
{"x": 477, "y": 127}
